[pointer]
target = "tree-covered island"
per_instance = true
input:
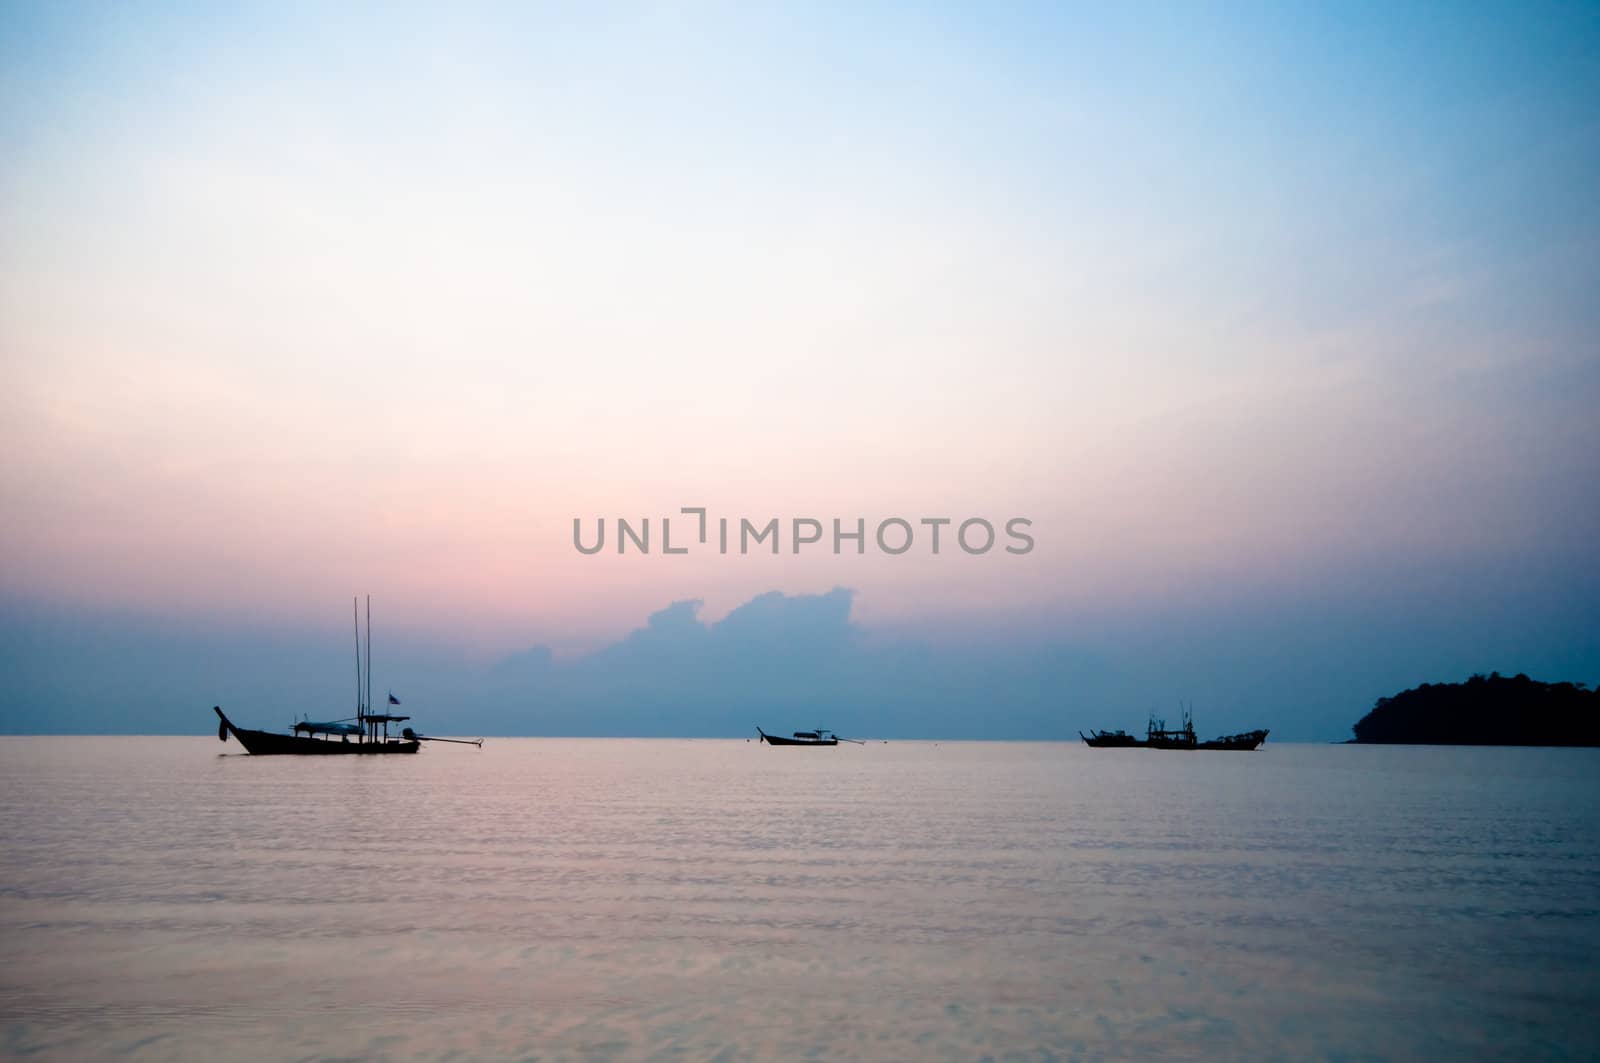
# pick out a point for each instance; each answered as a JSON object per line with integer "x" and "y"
{"x": 1486, "y": 711}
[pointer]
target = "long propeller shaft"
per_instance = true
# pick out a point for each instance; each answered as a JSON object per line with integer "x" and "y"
{"x": 458, "y": 741}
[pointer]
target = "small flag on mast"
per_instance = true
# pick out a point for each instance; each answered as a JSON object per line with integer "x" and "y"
{"x": 392, "y": 699}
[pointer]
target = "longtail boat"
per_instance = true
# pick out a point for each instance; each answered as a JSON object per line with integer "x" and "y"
{"x": 364, "y": 734}
{"x": 820, "y": 737}
{"x": 321, "y": 738}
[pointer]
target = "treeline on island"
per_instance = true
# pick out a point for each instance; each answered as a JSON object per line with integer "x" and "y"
{"x": 1486, "y": 711}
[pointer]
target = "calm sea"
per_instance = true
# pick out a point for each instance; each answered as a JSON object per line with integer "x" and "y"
{"x": 628, "y": 899}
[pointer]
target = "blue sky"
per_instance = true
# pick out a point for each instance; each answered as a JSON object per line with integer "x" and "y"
{"x": 1276, "y": 320}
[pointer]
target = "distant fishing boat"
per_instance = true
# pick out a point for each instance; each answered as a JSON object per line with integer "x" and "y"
{"x": 364, "y": 734}
{"x": 1109, "y": 739}
{"x": 1157, "y": 736}
{"x": 1247, "y": 740}
{"x": 820, "y": 737}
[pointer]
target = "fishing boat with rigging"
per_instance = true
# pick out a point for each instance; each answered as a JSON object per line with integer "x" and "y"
{"x": 1159, "y": 736}
{"x": 364, "y": 734}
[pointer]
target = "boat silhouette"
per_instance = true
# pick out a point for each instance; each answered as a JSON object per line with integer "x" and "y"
{"x": 1158, "y": 736}
{"x": 364, "y": 734}
{"x": 820, "y": 737}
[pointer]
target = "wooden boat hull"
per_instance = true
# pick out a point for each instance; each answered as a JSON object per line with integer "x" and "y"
{"x": 1101, "y": 740}
{"x": 777, "y": 740}
{"x": 267, "y": 743}
{"x": 1247, "y": 741}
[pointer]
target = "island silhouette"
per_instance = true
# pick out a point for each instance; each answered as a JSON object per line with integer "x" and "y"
{"x": 1487, "y": 710}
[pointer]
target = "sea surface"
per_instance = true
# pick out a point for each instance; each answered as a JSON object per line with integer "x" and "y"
{"x": 631, "y": 899}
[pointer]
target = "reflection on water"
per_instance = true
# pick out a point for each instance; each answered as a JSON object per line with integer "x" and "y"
{"x": 620, "y": 898}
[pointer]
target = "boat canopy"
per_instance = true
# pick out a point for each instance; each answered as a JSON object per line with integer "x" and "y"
{"x": 312, "y": 728}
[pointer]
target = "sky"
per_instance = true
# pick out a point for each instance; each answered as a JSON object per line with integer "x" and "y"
{"x": 1277, "y": 323}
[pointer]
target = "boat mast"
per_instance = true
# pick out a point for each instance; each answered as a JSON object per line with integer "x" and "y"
{"x": 369, "y": 653}
{"x": 355, "y": 615}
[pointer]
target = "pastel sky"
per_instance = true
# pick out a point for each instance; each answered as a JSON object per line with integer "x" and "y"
{"x": 1263, "y": 314}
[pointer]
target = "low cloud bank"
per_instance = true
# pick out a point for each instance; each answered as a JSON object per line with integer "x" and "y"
{"x": 784, "y": 662}
{"x": 780, "y": 661}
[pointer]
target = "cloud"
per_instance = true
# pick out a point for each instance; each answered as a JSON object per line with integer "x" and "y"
{"x": 1306, "y": 667}
{"x": 777, "y": 660}
{"x": 782, "y": 661}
